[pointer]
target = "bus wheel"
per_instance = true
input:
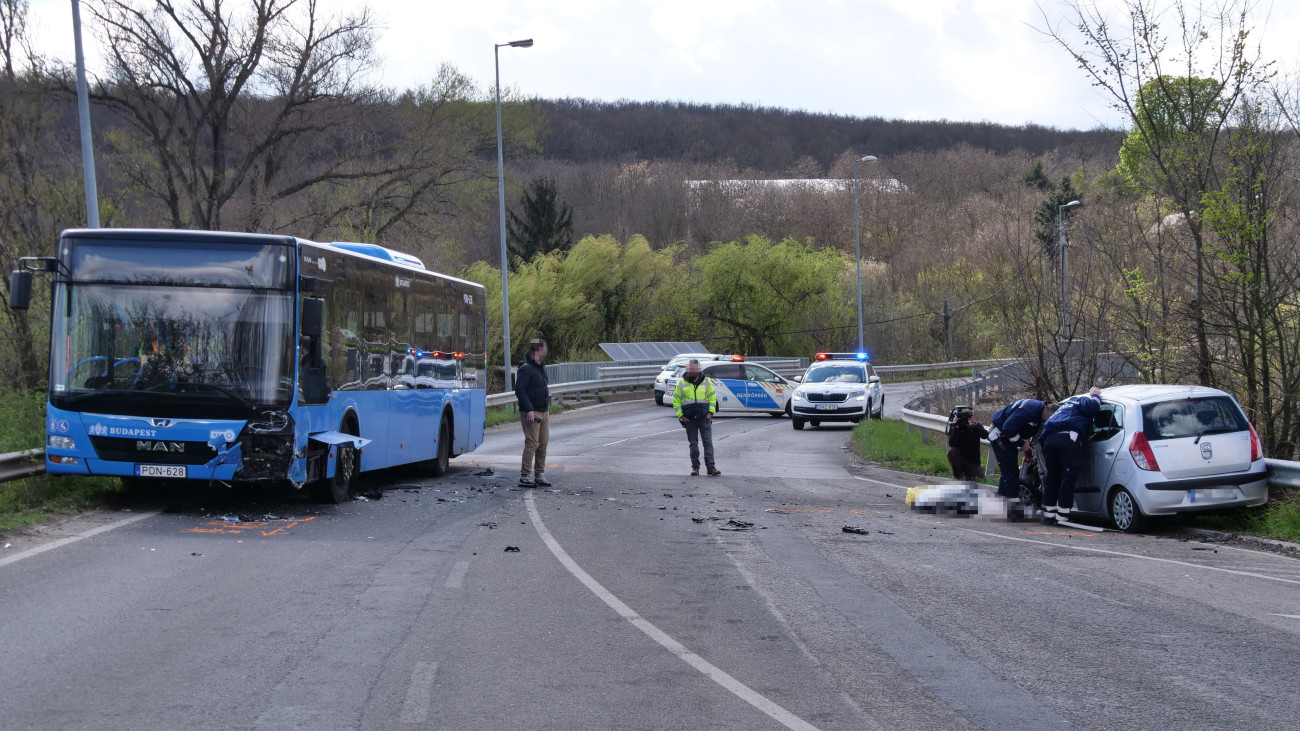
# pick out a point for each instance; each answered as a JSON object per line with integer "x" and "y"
{"x": 442, "y": 461}
{"x": 335, "y": 489}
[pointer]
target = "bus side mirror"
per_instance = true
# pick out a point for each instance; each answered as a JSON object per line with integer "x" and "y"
{"x": 20, "y": 289}
{"x": 313, "y": 317}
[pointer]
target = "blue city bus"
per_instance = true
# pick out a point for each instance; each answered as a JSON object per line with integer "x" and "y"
{"x": 248, "y": 358}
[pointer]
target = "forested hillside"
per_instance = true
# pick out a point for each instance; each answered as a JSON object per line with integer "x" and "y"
{"x": 659, "y": 220}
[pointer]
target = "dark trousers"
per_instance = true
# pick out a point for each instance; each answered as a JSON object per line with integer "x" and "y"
{"x": 1063, "y": 457}
{"x": 697, "y": 430}
{"x": 962, "y": 469}
{"x": 1008, "y": 457}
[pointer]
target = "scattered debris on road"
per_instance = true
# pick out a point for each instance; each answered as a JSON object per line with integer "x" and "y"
{"x": 489, "y": 524}
{"x": 856, "y": 529}
{"x": 512, "y": 549}
{"x": 734, "y": 524}
{"x": 485, "y": 473}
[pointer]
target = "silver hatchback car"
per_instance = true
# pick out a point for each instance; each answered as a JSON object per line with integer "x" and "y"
{"x": 1166, "y": 450}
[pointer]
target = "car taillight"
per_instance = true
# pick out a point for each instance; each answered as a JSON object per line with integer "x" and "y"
{"x": 1256, "y": 453}
{"x": 1140, "y": 449}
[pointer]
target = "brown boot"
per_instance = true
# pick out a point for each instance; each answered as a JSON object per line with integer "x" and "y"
{"x": 695, "y": 472}
{"x": 714, "y": 471}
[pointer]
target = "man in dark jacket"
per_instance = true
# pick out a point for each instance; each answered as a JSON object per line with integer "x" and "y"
{"x": 1063, "y": 438}
{"x": 964, "y": 444}
{"x": 534, "y": 410}
{"x": 1012, "y": 425}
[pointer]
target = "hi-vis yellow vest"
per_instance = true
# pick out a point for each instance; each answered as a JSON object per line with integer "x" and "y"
{"x": 687, "y": 393}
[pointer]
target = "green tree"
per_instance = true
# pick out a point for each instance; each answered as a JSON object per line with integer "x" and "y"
{"x": 786, "y": 297}
{"x": 1046, "y": 225}
{"x": 545, "y": 226}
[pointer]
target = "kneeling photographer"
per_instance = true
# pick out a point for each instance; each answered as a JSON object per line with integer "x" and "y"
{"x": 964, "y": 437}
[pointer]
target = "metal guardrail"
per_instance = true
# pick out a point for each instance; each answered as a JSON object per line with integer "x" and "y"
{"x": 17, "y": 465}
{"x": 963, "y": 364}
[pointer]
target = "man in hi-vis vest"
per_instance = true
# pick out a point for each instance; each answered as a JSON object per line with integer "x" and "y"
{"x": 696, "y": 403}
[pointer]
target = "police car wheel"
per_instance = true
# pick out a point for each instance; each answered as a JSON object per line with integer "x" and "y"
{"x": 797, "y": 423}
{"x": 659, "y": 398}
{"x": 880, "y": 414}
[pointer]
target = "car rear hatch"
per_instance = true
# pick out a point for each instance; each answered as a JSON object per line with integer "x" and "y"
{"x": 1199, "y": 436}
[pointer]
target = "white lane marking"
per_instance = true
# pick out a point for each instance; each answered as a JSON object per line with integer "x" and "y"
{"x": 1176, "y": 562}
{"x": 457, "y": 577}
{"x": 639, "y": 436}
{"x": 714, "y": 673}
{"x": 73, "y": 539}
{"x": 1288, "y": 616}
{"x": 419, "y": 694}
{"x": 878, "y": 482}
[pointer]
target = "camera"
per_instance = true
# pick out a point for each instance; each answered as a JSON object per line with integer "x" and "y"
{"x": 960, "y": 416}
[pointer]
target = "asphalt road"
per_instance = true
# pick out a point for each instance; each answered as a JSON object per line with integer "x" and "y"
{"x": 631, "y": 604}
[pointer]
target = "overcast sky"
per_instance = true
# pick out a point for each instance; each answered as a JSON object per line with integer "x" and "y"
{"x": 969, "y": 60}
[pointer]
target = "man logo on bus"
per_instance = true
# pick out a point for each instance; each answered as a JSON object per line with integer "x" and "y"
{"x": 142, "y": 445}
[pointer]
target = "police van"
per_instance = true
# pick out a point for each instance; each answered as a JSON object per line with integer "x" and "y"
{"x": 837, "y": 387}
{"x": 740, "y": 386}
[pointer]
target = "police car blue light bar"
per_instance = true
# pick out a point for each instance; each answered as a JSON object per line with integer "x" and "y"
{"x": 842, "y": 356}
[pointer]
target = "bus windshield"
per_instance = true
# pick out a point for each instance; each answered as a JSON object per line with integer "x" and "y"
{"x": 194, "y": 343}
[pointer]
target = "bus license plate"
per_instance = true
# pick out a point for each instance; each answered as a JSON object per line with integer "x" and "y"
{"x": 827, "y": 407}
{"x": 160, "y": 470}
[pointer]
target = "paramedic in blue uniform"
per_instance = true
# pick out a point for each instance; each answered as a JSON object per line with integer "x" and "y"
{"x": 1012, "y": 425}
{"x": 1063, "y": 438}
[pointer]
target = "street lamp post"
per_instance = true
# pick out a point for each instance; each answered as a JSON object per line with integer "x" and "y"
{"x": 83, "y": 116}
{"x": 857, "y": 227}
{"x": 501, "y": 197}
{"x": 1065, "y": 269}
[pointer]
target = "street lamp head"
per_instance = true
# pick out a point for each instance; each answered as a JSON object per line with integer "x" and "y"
{"x": 1071, "y": 204}
{"x": 526, "y": 43}
{"x": 868, "y": 158}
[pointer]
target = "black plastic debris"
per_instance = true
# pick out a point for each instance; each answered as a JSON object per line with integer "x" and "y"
{"x": 855, "y": 529}
{"x": 196, "y": 554}
{"x": 512, "y": 549}
{"x": 734, "y": 524}
{"x": 488, "y": 524}
{"x": 699, "y": 520}
{"x": 484, "y": 473}
{"x": 886, "y": 532}
{"x": 668, "y": 494}
{"x": 1204, "y": 548}
{"x": 374, "y": 494}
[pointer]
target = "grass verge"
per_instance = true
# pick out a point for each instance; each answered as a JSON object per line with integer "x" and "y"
{"x": 888, "y": 443}
{"x": 1278, "y": 519}
{"x": 498, "y": 415}
{"x": 33, "y": 499}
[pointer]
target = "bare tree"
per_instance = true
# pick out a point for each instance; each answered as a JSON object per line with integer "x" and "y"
{"x": 1178, "y": 88}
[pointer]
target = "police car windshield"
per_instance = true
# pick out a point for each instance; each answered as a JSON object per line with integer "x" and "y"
{"x": 828, "y": 373}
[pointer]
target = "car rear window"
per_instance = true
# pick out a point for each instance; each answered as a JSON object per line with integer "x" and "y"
{"x": 1192, "y": 417}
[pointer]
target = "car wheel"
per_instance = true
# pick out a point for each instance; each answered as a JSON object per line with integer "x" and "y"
{"x": 814, "y": 422}
{"x": 659, "y": 398}
{"x": 880, "y": 414}
{"x": 788, "y": 412}
{"x": 1124, "y": 511}
{"x": 797, "y": 423}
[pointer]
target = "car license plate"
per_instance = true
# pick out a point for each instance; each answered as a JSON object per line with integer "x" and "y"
{"x": 1222, "y": 493}
{"x": 827, "y": 407}
{"x": 160, "y": 470}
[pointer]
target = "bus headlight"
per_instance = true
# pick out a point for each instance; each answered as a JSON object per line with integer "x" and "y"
{"x": 60, "y": 442}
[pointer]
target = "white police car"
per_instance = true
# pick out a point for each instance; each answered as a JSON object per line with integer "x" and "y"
{"x": 669, "y": 369}
{"x": 837, "y": 387}
{"x": 741, "y": 386}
